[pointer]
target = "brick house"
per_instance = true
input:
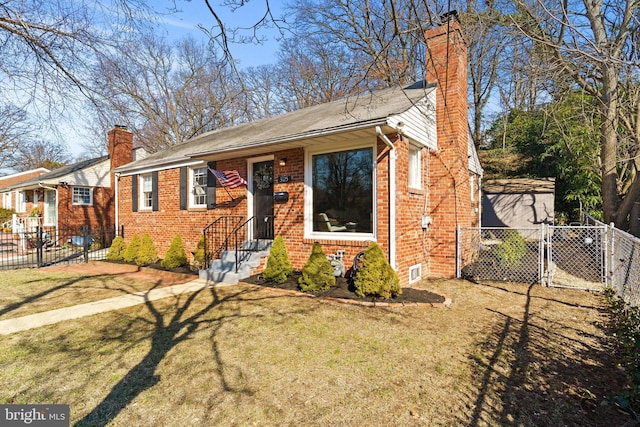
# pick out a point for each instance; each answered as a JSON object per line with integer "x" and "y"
{"x": 391, "y": 166}
{"x": 14, "y": 199}
{"x": 78, "y": 194}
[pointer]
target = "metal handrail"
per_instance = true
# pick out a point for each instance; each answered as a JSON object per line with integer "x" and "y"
{"x": 217, "y": 234}
{"x": 248, "y": 233}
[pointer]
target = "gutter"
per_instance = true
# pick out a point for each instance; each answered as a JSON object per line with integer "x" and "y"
{"x": 393, "y": 155}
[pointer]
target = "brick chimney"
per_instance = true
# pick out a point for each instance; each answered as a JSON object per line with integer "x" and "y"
{"x": 449, "y": 190}
{"x": 120, "y": 146}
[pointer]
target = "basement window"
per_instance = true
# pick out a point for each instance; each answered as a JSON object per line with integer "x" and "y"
{"x": 415, "y": 273}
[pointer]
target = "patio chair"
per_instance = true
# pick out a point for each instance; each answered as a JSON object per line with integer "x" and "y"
{"x": 326, "y": 225}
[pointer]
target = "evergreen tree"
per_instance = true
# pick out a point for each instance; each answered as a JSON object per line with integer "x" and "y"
{"x": 132, "y": 249}
{"x": 117, "y": 249}
{"x": 147, "y": 254}
{"x": 376, "y": 277}
{"x": 176, "y": 255}
{"x": 278, "y": 265}
{"x": 317, "y": 274}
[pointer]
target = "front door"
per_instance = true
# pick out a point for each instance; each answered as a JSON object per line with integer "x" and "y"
{"x": 263, "y": 200}
{"x": 50, "y": 214}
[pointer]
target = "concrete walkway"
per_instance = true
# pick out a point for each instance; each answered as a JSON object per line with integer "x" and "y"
{"x": 31, "y": 321}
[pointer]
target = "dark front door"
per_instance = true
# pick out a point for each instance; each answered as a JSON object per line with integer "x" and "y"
{"x": 263, "y": 200}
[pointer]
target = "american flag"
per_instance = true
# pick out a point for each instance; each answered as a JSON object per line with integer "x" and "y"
{"x": 230, "y": 179}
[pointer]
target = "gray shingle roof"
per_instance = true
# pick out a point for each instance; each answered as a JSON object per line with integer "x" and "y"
{"x": 60, "y": 172}
{"x": 354, "y": 112}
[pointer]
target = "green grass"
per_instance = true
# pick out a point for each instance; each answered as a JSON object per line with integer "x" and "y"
{"x": 503, "y": 354}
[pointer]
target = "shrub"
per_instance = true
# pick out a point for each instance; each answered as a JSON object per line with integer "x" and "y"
{"x": 317, "y": 274}
{"x": 176, "y": 255}
{"x": 278, "y": 265}
{"x": 6, "y": 214}
{"x": 198, "y": 255}
{"x": 117, "y": 249}
{"x": 624, "y": 329}
{"x": 376, "y": 277}
{"x": 131, "y": 252}
{"x": 147, "y": 254}
{"x": 511, "y": 250}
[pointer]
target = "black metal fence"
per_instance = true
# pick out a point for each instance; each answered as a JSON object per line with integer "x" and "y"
{"x": 42, "y": 246}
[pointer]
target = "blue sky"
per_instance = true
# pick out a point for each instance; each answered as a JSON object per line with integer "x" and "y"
{"x": 185, "y": 24}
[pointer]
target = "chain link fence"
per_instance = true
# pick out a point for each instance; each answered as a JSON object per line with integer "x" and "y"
{"x": 590, "y": 255}
{"x": 501, "y": 254}
{"x": 623, "y": 262}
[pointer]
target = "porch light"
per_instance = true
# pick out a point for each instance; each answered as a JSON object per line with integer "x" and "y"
{"x": 283, "y": 161}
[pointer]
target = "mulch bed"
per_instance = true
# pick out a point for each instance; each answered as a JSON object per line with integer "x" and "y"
{"x": 344, "y": 290}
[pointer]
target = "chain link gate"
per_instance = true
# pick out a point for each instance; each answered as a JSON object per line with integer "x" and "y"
{"x": 563, "y": 256}
{"x": 576, "y": 257}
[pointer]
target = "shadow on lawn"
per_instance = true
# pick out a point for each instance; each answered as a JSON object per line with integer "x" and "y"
{"x": 540, "y": 375}
{"x": 165, "y": 336}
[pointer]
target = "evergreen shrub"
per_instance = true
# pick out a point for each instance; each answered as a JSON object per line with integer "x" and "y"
{"x": 511, "y": 250}
{"x": 117, "y": 249}
{"x": 147, "y": 254}
{"x": 376, "y": 277}
{"x": 198, "y": 255}
{"x": 131, "y": 252}
{"x": 317, "y": 274}
{"x": 278, "y": 265}
{"x": 176, "y": 255}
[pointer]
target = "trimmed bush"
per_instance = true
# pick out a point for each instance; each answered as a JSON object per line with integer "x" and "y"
{"x": 198, "y": 255}
{"x": 176, "y": 255}
{"x": 511, "y": 250}
{"x": 317, "y": 274}
{"x": 131, "y": 252}
{"x": 118, "y": 246}
{"x": 278, "y": 265}
{"x": 376, "y": 277}
{"x": 148, "y": 254}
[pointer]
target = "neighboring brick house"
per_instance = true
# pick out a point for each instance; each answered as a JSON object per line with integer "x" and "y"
{"x": 15, "y": 200}
{"x": 78, "y": 194}
{"x": 395, "y": 167}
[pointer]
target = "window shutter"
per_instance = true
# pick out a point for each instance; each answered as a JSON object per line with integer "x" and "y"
{"x": 134, "y": 193}
{"x": 211, "y": 186}
{"x": 154, "y": 189}
{"x": 183, "y": 188}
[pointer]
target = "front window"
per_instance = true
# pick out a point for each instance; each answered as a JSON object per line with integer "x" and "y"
{"x": 198, "y": 191}
{"x": 6, "y": 200}
{"x": 343, "y": 191}
{"x": 21, "y": 206}
{"x": 415, "y": 168}
{"x": 146, "y": 193}
{"x": 82, "y": 196}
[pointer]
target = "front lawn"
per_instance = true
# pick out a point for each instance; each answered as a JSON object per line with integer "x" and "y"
{"x": 500, "y": 355}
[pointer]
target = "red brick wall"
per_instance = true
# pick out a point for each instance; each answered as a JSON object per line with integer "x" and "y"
{"x": 99, "y": 215}
{"x": 449, "y": 192}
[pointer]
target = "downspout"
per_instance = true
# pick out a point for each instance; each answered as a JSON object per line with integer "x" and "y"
{"x": 116, "y": 180}
{"x": 392, "y": 196}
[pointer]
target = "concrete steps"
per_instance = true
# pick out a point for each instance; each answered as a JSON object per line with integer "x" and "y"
{"x": 249, "y": 257}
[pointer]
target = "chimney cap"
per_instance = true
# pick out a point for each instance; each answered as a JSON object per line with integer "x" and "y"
{"x": 452, "y": 14}
{"x": 124, "y": 127}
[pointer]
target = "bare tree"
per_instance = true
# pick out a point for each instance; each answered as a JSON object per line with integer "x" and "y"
{"x": 167, "y": 94}
{"x": 15, "y": 130}
{"x": 592, "y": 42}
{"x": 36, "y": 154}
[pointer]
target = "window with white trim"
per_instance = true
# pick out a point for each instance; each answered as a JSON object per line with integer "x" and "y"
{"x": 21, "y": 206}
{"x": 198, "y": 190}
{"x": 82, "y": 196}
{"x": 415, "y": 167}
{"x": 415, "y": 273}
{"x": 342, "y": 190}
{"x": 6, "y": 200}
{"x": 146, "y": 191}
